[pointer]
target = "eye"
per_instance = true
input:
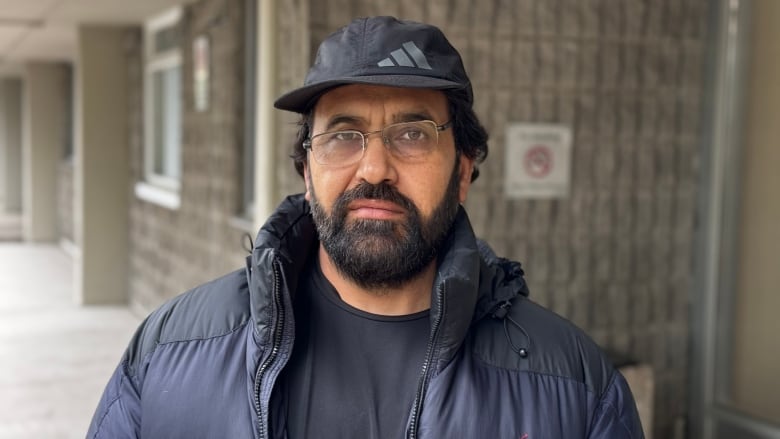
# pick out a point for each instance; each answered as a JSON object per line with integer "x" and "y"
{"x": 345, "y": 136}
{"x": 412, "y": 134}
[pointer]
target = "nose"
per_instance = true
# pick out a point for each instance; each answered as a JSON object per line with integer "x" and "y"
{"x": 377, "y": 164}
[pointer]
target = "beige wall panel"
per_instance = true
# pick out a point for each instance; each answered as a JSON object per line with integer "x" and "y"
{"x": 756, "y": 388}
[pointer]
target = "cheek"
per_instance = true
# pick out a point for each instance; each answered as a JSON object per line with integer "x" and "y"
{"x": 428, "y": 187}
{"x": 326, "y": 186}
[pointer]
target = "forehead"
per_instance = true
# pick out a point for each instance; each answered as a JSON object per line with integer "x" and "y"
{"x": 369, "y": 101}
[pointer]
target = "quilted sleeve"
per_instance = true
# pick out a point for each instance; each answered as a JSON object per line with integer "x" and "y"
{"x": 616, "y": 416}
{"x": 118, "y": 414}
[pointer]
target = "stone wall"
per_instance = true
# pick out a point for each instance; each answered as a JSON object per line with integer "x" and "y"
{"x": 626, "y": 76}
{"x": 174, "y": 250}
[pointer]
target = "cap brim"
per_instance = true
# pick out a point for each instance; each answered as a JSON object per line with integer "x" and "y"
{"x": 301, "y": 99}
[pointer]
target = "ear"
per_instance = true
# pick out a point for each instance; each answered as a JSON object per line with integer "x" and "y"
{"x": 466, "y": 168}
{"x": 307, "y": 181}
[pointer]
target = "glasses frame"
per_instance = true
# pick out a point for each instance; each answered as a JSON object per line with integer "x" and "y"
{"x": 307, "y": 144}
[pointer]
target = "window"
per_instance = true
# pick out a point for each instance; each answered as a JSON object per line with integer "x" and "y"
{"x": 162, "y": 109}
{"x": 250, "y": 75}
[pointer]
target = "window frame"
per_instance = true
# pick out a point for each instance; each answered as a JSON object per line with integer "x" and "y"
{"x": 251, "y": 41}
{"x": 154, "y": 63}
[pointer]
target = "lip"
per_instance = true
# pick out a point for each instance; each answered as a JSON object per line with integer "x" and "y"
{"x": 375, "y": 209}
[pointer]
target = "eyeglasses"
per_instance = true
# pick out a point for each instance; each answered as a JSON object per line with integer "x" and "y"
{"x": 406, "y": 141}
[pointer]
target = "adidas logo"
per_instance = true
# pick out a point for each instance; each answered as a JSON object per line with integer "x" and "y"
{"x": 409, "y": 55}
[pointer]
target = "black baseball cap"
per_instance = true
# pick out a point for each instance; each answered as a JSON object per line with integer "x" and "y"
{"x": 381, "y": 51}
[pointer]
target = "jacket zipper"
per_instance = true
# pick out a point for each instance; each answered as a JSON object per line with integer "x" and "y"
{"x": 276, "y": 346}
{"x": 422, "y": 386}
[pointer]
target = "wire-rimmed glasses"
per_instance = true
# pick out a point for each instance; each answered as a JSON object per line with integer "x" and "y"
{"x": 406, "y": 140}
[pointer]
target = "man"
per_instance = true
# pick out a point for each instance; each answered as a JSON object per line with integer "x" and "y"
{"x": 368, "y": 309}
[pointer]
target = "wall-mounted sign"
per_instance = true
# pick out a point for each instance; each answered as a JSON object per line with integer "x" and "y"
{"x": 538, "y": 160}
{"x": 200, "y": 72}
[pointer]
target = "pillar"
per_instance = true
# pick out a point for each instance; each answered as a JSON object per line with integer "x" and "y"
{"x": 43, "y": 133}
{"x": 101, "y": 167}
{"x": 11, "y": 145}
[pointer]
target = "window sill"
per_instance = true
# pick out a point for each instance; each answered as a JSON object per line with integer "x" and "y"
{"x": 157, "y": 195}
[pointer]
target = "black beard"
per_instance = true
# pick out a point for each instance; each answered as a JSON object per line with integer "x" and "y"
{"x": 378, "y": 254}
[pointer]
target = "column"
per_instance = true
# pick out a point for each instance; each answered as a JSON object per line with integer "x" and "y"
{"x": 43, "y": 133}
{"x": 102, "y": 167}
{"x": 11, "y": 145}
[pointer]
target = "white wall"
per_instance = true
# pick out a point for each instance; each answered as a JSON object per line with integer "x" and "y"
{"x": 43, "y": 133}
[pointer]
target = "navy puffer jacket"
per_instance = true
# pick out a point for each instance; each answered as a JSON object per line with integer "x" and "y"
{"x": 498, "y": 366}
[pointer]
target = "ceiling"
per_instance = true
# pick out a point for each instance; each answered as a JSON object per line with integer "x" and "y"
{"x": 45, "y": 30}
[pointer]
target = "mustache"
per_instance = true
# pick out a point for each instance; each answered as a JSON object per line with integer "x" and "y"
{"x": 381, "y": 191}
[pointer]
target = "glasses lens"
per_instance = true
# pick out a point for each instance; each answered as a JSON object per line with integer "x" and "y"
{"x": 337, "y": 148}
{"x": 412, "y": 139}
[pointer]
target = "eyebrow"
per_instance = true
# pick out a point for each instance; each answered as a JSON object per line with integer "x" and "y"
{"x": 342, "y": 119}
{"x": 346, "y": 119}
{"x": 412, "y": 117}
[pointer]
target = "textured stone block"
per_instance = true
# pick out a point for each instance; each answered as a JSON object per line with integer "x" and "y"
{"x": 504, "y": 21}
{"x": 570, "y": 18}
{"x": 591, "y": 18}
{"x": 628, "y": 117}
{"x": 609, "y": 64}
{"x": 673, "y": 24}
{"x": 589, "y": 62}
{"x": 690, "y": 114}
{"x": 611, "y": 19}
{"x": 695, "y": 16}
{"x": 545, "y": 65}
{"x": 650, "y": 64}
{"x": 522, "y": 62}
{"x": 546, "y": 18}
{"x": 668, "y": 115}
{"x": 408, "y": 9}
{"x": 566, "y": 63}
{"x": 630, "y": 53}
{"x": 608, "y": 115}
{"x": 460, "y": 16}
{"x": 640, "y": 381}
{"x": 671, "y": 57}
{"x": 481, "y": 67}
{"x": 524, "y": 17}
{"x": 501, "y": 51}
{"x": 562, "y": 265}
{"x": 580, "y": 311}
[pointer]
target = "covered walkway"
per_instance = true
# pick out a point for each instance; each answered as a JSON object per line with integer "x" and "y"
{"x": 55, "y": 356}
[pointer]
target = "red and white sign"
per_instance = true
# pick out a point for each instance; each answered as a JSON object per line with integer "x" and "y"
{"x": 201, "y": 66}
{"x": 537, "y": 161}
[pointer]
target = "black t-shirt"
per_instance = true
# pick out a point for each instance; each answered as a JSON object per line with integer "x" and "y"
{"x": 352, "y": 374}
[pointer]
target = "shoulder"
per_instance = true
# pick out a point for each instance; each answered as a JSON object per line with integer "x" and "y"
{"x": 552, "y": 346}
{"x": 210, "y": 310}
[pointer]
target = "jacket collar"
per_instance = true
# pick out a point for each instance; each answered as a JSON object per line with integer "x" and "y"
{"x": 470, "y": 280}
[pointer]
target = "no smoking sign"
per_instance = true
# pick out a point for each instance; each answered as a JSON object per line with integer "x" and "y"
{"x": 537, "y": 161}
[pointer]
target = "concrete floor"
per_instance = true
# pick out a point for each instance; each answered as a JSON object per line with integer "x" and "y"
{"x": 55, "y": 356}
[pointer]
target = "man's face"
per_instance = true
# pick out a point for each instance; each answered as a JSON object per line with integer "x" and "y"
{"x": 381, "y": 219}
